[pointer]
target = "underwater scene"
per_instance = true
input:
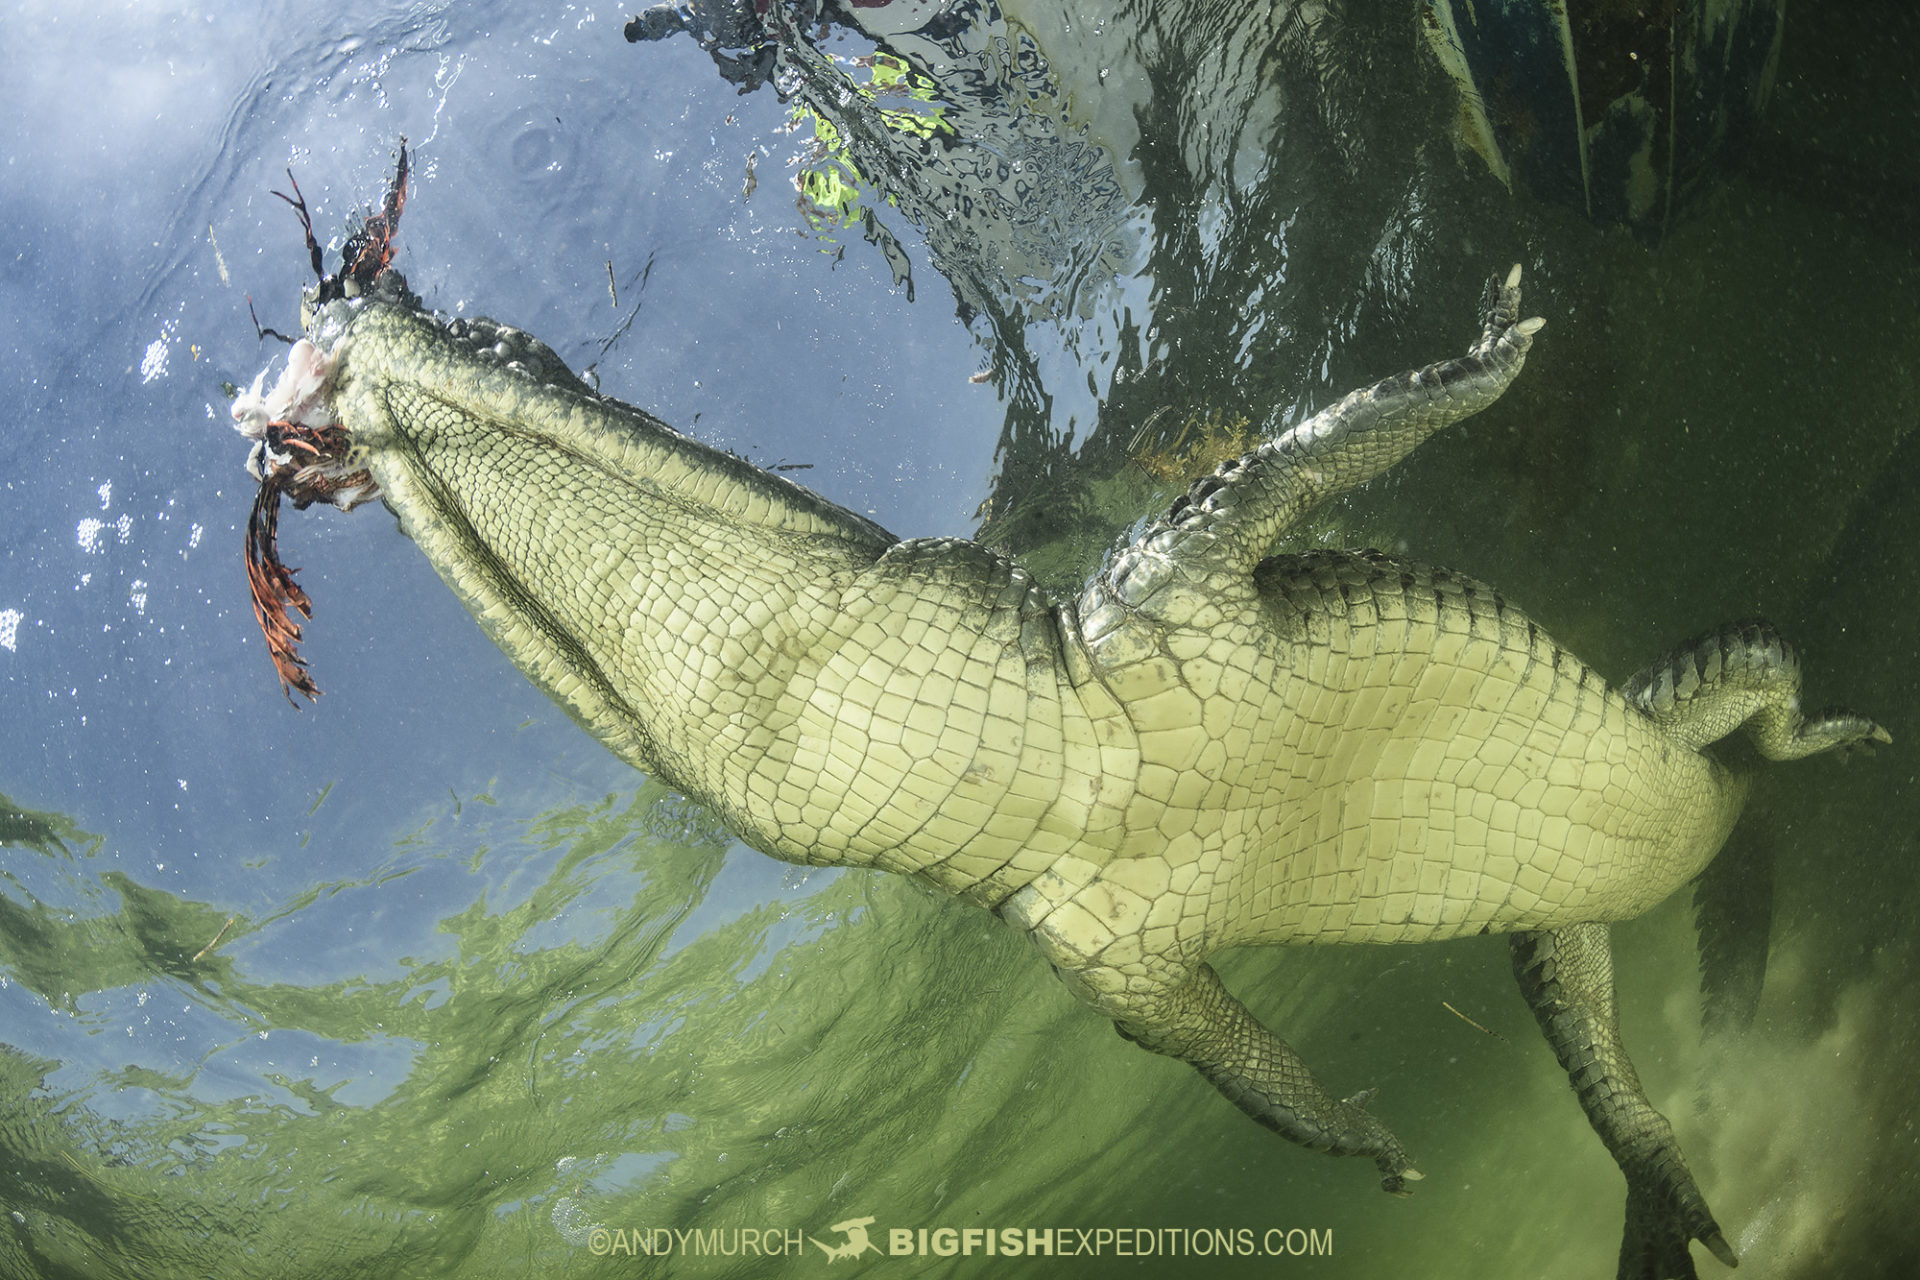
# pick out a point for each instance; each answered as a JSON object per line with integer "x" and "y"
{"x": 414, "y": 978}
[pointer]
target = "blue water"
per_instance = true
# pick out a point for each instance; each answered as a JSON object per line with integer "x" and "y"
{"x": 420, "y": 981}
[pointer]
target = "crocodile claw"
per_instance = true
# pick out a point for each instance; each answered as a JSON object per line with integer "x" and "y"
{"x": 1395, "y": 1184}
{"x": 1663, "y": 1219}
{"x": 1718, "y": 1246}
{"x": 1502, "y": 307}
{"x": 1395, "y": 1172}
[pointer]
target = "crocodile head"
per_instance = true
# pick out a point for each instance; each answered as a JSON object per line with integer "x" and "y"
{"x": 618, "y": 563}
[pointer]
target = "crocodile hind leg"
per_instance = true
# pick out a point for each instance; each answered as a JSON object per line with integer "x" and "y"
{"x": 1742, "y": 675}
{"x": 1567, "y": 977}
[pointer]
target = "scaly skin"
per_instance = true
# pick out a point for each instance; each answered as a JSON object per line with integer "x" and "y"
{"x": 1208, "y": 748}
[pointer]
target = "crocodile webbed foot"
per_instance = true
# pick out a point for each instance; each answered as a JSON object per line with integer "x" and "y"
{"x": 1389, "y": 1157}
{"x": 1665, "y": 1214}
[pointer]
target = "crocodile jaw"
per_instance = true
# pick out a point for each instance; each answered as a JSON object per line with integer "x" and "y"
{"x": 658, "y": 590}
{"x": 838, "y": 697}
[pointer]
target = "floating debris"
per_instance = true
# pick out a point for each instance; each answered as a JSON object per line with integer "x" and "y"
{"x": 201, "y": 953}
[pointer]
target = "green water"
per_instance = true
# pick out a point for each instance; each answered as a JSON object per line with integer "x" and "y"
{"x": 536, "y": 1019}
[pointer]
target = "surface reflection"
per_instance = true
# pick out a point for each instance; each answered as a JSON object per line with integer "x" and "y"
{"x": 1116, "y": 199}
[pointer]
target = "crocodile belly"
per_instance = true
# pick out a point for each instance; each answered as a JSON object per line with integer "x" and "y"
{"x": 1439, "y": 766}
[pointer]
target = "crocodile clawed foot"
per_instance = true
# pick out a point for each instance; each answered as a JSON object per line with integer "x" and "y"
{"x": 1665, "y": 1214}
{"x": 1387, "y": 1153}
{"x": 1718, "y": 1246}
{"x": 1503, "y": 323}
{"x": 1394, "y": 1183}
{"x": 1845, "y": 733}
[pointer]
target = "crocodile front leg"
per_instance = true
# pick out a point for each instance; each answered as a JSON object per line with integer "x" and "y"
{"x": 1567, "y": 976}
{"x": 1185, "y": 1012}
{"x": 1202, "y": 1024}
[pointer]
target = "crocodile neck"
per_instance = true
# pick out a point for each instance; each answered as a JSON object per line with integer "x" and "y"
{"x": 720, "y": 627}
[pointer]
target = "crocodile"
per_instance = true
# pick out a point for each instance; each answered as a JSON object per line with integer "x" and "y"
{"x": 1210, "y": 746}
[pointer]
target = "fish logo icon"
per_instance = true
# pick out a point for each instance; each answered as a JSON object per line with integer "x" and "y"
{"x": 857, "y": 1243}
